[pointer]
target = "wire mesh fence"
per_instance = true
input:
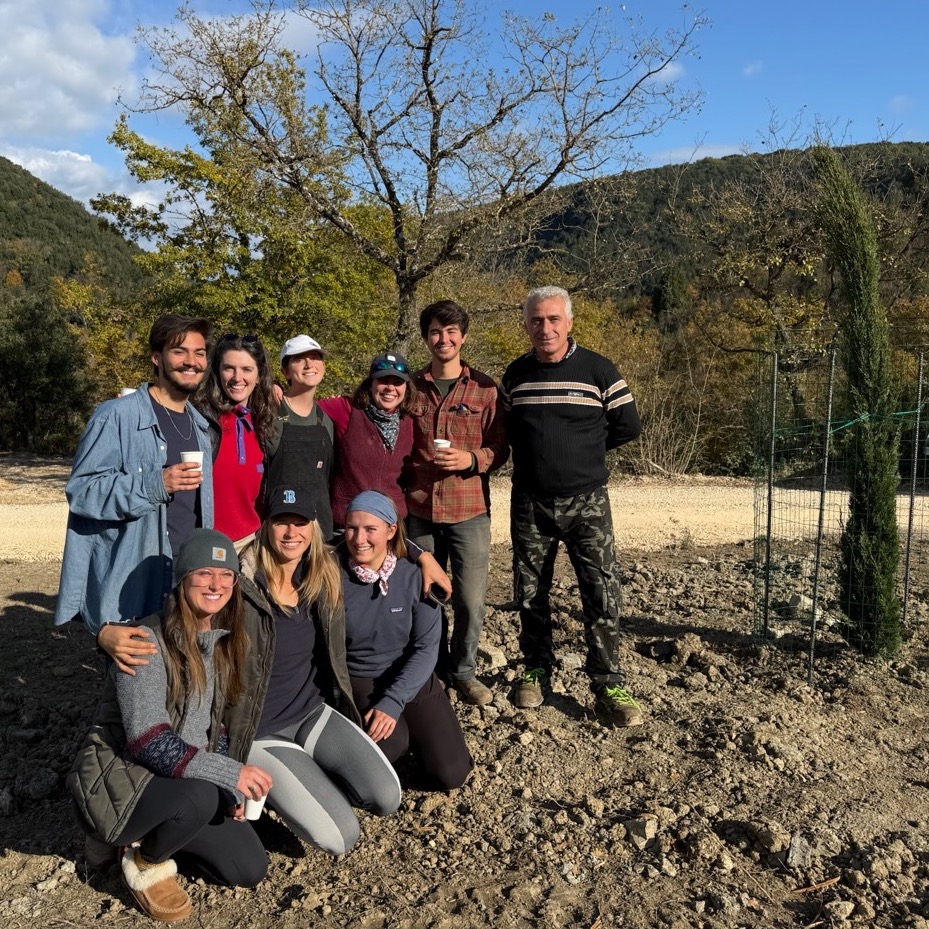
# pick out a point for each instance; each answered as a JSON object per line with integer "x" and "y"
{"x": 806, "y": 439}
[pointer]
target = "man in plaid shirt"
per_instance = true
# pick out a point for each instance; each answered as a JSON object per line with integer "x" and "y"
{"x": 447, "y": 489}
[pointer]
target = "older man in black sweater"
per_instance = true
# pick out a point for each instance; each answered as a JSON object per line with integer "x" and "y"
{"x": 566, "y": 407}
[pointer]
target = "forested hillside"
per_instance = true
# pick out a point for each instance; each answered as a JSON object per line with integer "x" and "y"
{"x": 68, "y": 290}
{"x": 685, "y": 275}
{"x": 44, "y": 233}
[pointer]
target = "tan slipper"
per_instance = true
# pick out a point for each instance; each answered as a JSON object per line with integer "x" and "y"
{"x": 155, "y": 887}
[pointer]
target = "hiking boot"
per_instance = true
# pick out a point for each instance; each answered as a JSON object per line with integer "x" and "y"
{"x": 473, "y": 691}
{"x": 617, "y": 706}
{"x": 529, "y": 692}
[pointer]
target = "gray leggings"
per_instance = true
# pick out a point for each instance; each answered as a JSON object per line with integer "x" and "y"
{"x": 321, "y": 766}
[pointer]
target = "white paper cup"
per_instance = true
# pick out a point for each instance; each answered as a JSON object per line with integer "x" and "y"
{"x": 195, "y": 457}
{"x": 253, "y": 808}
{"x": 441, "y": 443}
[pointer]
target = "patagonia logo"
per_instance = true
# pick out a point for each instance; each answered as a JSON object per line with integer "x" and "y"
{"x": 219, "y": 554}
{"x": 290, "y": 496}
{"x": 396, "y": 609}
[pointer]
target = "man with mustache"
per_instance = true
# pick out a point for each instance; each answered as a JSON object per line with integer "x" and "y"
{"x": 132, "y": 500}
{"x": 566, "y": 407}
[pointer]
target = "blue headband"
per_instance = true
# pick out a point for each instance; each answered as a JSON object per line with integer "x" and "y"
{"x": 370, "y": 501}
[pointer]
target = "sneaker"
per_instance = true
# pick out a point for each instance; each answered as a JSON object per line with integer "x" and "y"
{"x": 473, "y": 691}
{"x": 529, "y": 691}
{"x": 618, "y": 707}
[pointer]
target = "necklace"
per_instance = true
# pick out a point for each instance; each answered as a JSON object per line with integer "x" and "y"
{"x": 190, "y": 418}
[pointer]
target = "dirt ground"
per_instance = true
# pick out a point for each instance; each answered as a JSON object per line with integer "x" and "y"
{"x": 749, "y": 798}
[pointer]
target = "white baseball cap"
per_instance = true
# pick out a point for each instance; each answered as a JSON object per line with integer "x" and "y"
{"x": 300, "y": 344}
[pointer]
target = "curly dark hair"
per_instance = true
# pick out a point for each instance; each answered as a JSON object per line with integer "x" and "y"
{"x": 212, "y": 401}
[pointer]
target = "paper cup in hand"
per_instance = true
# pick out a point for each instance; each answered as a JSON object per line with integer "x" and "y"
{"x": 195, "y": 457}
{"x": 441, "y": 443}
{"x": 253, "y": 808}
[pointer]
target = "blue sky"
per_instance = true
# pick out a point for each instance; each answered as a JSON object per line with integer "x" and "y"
{"x": 859, "y": 68}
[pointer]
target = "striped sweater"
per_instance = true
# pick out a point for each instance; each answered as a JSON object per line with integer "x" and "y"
{"x": 562, "y": 417}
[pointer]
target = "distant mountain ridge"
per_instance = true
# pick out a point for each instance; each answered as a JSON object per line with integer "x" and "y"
{"x": 44, "y": 232}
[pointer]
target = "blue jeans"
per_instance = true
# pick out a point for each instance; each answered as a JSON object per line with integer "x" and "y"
{"x": 465, "y": 547}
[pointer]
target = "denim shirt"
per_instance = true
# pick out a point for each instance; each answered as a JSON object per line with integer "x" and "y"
{"x": 117, "y": 558}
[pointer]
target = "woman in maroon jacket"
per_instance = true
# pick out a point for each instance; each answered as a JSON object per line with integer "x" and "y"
{"x": 374, "y": 435}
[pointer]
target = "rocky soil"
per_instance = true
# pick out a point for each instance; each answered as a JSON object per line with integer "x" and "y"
{"x": 749, "y": 798}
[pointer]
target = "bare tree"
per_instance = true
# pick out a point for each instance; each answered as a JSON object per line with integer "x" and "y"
{"x": 412, "y": 109}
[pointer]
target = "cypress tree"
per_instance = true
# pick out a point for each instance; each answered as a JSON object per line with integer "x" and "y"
{"x": 870, "y": 545}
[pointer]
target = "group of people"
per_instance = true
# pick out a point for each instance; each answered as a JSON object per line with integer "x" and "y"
{"x": 266, "y": 572}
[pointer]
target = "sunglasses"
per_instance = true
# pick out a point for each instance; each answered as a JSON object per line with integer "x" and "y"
{"x": 235, "y": 337}
{"x": 390, "y": 366}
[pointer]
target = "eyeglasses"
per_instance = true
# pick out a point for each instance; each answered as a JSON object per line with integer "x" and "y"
{"x": 204, "y": 577}
{"x": 235, "y": 337}
{"x": 390, "y": 366}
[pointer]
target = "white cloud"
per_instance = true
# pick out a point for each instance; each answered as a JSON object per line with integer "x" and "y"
{"x": 59, "y": 73}
{"x": 753, "y": 68}
{"x": 78, "y": 175}
{"x": 901, "y": 104}
{"x": 671, "y": 72}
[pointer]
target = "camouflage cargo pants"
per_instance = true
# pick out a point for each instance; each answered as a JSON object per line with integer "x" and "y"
{"x": 585, "y": 525}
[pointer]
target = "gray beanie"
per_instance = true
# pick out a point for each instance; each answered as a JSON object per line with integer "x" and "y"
{"x": 205, "y": 548}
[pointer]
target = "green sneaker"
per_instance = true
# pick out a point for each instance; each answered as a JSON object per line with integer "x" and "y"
{"x": 618, "y": 706}
{"x": 529, "y": 691}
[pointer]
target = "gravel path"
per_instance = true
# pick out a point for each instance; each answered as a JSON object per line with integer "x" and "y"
{"x": 648, "y": 515}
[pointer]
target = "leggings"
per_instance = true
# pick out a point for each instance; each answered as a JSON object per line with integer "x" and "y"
{"x": 321, "y": 766}
{"x": 189, "y": 815}
{"x": 429, "y": 726}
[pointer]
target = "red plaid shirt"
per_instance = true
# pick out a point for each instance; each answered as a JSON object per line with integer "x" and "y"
{"x": 471, "y": 418}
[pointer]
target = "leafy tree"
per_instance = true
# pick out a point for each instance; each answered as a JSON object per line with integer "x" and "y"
{"x": 246, "y": 253}
{"x": 412, "y": 122}
{"x": 111, "y": 334}
{"x": 870, "y": 545}
{"x": 45, "y": 394}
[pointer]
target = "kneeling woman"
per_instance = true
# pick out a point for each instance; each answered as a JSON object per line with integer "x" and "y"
{"x": 321, "y": 761}
{"x": 392, "y": 639}
{"x": 153, "y": 773}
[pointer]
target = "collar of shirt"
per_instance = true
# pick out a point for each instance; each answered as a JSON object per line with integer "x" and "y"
{"x": 572, "y": 346}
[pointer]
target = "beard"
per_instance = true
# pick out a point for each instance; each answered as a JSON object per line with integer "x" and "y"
{"x": 185, "y": 387}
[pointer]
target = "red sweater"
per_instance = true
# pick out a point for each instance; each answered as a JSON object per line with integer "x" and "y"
{"x": 237, "y": 474}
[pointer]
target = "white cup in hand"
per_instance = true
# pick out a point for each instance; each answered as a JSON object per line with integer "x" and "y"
{"x": 193, "y": 457}
{"x": 253, "y": 808}
{"x": 441, "y": 443}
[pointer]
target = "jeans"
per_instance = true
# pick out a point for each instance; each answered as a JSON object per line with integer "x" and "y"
{"x": 465, "y": 546}
{"x": 585, "y": 524}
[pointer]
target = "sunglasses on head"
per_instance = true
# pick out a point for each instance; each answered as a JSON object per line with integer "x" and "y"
{"x": 235, "y": 337}
{"x": 390, "y": 366}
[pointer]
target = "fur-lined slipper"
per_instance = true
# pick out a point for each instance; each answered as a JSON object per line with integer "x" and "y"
{"x": 156, "y": 889}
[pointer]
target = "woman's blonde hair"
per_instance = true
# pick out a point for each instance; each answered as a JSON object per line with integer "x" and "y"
{"x": 321, "y": 579}
{"x": 398, "y": 543}
{"x": 183, "y": 659}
